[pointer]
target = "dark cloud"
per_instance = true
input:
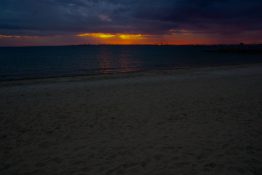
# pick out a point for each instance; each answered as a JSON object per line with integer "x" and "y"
{"x": 218, "y": 16}
{"x": 45, "y": 17}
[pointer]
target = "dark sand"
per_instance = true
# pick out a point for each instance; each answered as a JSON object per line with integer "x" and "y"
{"x": 200, "y": 121}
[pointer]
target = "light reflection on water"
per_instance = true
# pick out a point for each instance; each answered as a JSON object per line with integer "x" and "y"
{"x": 105, "y": 61}
{"x": 41, "y": 62}
{"x": 118, "y": 60}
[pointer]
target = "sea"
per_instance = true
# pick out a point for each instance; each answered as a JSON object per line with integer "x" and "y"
{"x": 58, "y": 61}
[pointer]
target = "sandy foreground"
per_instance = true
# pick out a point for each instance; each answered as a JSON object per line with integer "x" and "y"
{"x": 199, "y": 121}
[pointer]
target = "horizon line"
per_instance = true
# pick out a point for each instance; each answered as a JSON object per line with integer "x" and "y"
{"x": 68, "y": 45}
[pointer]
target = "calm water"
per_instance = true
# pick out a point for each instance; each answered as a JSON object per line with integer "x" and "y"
{"x": 36, "y": 62}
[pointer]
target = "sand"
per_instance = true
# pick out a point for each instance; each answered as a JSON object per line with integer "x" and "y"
{"x": 197, "y": 121}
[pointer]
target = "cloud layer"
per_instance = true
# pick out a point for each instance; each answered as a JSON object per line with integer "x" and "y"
{"x": 68, "y": 17}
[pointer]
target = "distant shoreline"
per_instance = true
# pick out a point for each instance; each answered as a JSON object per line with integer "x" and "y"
{"x": 126, "y": 45}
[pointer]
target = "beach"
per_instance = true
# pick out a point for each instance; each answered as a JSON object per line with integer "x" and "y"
{"x": 188, "y": 121}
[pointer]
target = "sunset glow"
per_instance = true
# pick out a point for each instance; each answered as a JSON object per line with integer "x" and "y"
{"x": 116, "y": 36}
{"x": 173, "y": 22}
{"x": 97, "y": 35}
{"x": 171, "y": 38}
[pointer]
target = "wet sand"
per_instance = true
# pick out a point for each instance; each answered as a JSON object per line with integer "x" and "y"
{"x": 199, "y": 121}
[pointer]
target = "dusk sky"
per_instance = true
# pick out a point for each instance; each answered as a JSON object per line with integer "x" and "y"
{"x": 69, "y": 22}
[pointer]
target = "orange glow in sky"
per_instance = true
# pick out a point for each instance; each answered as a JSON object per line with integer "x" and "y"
{"x": 115, "y": 36}
{"x": 181, "y": 37}
{"x": 97, "y": 35}
{"x": 126, "y": 38}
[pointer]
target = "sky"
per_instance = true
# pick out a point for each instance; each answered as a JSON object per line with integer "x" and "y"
{"x": 73, "y": 22}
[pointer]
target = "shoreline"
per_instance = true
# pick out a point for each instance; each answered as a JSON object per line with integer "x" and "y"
{"x": 201, "y": 121}
{"x": 120, "y": 75}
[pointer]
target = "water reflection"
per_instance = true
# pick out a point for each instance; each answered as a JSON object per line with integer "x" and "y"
{"x": 126, "y": 61}
{"x": 105, "y": 61}
{"x": 117, "y": 59}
